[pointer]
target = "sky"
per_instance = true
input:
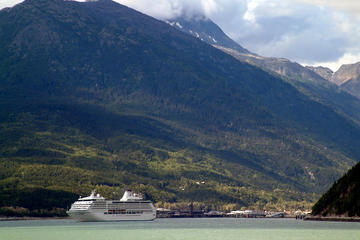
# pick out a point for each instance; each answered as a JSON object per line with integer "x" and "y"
{"x": 311, "y": 32}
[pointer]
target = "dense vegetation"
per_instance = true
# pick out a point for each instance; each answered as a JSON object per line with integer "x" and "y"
{"x": 343, "y": 198}
{"x": 97, "y": 95}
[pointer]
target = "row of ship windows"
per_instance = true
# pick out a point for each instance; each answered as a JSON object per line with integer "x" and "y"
{"x": 128, "y": 206}
{"x": 119, "y": 207}
{"x": 119, "y": 210}
{"x": 80, "y": 207}
{"x": 123, "y": 212}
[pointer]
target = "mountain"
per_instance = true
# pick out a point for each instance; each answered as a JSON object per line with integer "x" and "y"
{"x": 348, "y": 78}
{"x": 343, "y": 198}
{"x": 312, "y": 81}
{"x": 307, "y": 80}
{"x": 95, "y": 94}
{"x": 204, "y": 29}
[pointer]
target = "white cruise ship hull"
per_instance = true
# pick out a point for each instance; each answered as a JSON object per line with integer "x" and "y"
{"x": 95, "y": 208}
{"x": 94, "y": 216}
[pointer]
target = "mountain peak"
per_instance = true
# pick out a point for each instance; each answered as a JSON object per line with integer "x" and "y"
{"x": 348, "y": 78}
{"x": 346, "y": 73}
{"x": 206, "y": 30}
{"x": 324, "y": 72}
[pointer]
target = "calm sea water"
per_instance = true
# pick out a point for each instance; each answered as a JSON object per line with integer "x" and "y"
{"x": 182, "y": 229}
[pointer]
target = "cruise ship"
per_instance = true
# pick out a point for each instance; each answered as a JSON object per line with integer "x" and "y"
{"x": 95, "y": 208}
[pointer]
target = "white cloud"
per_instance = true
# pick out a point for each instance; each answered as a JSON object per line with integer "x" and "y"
{"x": 9, "y": 3}
{"x": 310, "y": 31}
{"x": 249, "y": 14}
{"x": 349, "y": 6}
{"x": 164, "y": 9}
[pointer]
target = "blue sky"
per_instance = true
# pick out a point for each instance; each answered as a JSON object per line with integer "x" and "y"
{"x": 311, "y": 32}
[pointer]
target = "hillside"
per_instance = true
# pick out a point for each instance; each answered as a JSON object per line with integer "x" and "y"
{"x": 315, "y": 82}
{"x": 96, "y": 94}
{"x": 308, "y": 81}
{"x": 343, "y": 198}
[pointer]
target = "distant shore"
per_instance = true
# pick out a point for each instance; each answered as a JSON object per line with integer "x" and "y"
{"x": 308, "y": 218}
{"x": 332, "y": 219}
{"x": 30, "y": 218}
{"x": 2, "y": 218}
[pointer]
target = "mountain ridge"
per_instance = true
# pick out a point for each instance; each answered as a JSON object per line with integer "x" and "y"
{"x": 312, "y": 81}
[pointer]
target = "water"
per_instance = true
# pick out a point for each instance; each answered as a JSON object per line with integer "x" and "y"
{"x": 180, "y": 229}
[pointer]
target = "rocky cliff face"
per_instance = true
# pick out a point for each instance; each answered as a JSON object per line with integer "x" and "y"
{"x": 324, "y": 72}
{"x": 346, "y": 73}
{"x": 348, "y": 78}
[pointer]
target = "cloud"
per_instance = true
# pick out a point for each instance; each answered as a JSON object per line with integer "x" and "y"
{"x": 165, "y": 9}
{"x": 350, "y": 6}
{"x": 307, "y": 31}
{"x": 9, "y": 3}
{"x": 301, "y": 32}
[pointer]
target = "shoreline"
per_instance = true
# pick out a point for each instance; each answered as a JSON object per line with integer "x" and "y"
{"x": 332, "y": 219}
{"x": 308, "y": 218}
{"x": 2, "y": 218}
{"x": 30, "y": 218}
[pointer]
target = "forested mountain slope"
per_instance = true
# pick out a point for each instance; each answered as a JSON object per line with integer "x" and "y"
{"x": 343, "y": 198}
